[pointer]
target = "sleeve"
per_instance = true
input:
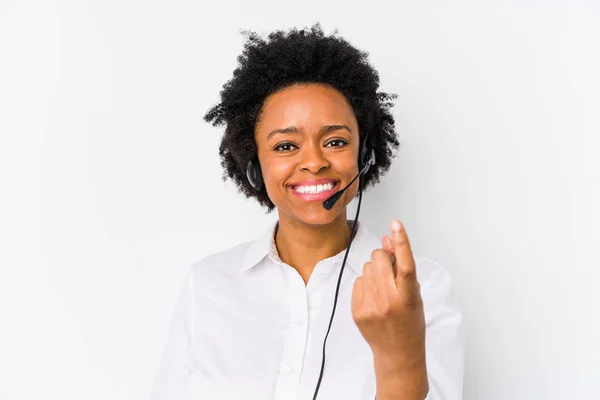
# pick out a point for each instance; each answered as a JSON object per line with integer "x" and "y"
{"x": 172, "y": 378}
{"x": 444, "y": 338}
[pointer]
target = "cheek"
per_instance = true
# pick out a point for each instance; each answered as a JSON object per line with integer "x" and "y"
{"x": 347, "y": 166}
{"x": 276, "y": 173}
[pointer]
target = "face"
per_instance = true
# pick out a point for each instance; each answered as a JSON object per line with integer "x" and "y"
{"x": 308, "y": 142}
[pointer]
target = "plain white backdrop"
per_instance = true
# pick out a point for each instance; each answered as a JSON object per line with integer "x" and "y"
{"x": 111, "y": 182}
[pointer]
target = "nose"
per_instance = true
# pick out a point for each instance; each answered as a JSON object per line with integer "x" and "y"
{"x": 312, "y": 159}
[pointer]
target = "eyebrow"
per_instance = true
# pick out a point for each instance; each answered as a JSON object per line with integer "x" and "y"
{"x": 324, "y": 129}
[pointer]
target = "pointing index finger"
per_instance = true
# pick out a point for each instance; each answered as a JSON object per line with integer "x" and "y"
{"x": 405, "y": 263}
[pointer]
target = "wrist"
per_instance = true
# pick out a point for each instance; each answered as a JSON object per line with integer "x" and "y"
{"x": 401, "y": 378}
{"x": 399, "y": 362}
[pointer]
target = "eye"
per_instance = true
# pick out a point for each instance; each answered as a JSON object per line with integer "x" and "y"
{"x": 337, "y": 143}
{"x": 284, "y": 147}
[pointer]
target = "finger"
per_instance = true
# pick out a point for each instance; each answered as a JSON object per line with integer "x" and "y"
{"x": 357, "y": 293}
{"x": 405, "y": 263}
{"x": 389, "y": 247}
{"x": 368, "y": 282}
{"x": 383, "y": 271}
{"x": 387, "y": 244}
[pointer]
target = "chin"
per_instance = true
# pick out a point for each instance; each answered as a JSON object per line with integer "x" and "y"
{"x": 321, "y": 218}
{"x": 313, "y": 214}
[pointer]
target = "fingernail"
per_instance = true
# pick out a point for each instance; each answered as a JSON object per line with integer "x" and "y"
{"x": 396, "y": 226}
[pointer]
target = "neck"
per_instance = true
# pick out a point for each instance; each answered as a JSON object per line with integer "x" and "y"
{"x": 302, "y": 245}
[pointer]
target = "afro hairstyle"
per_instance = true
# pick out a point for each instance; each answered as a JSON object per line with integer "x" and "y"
{"x": 285, "y": 59}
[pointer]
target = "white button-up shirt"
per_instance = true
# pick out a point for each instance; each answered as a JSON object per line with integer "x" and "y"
{"x": 247, "y": 327}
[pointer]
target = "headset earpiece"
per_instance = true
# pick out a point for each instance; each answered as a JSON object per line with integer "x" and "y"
{"x": 254, "y": 174}
{"x": 367, "y": 156}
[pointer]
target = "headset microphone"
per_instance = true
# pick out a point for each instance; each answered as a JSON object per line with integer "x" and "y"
{"x": 331, "y": 200}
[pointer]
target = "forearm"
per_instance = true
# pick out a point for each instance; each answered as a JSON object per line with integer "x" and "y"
{"x": 400, "y": 382}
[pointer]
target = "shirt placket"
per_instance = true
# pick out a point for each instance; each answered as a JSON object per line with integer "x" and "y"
{"x": 292, "y": 358}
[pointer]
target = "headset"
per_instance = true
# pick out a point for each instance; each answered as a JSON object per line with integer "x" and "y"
{"x": 365, "y": 161}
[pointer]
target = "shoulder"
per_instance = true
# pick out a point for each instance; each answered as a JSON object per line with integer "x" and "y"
{"x": 224, "y": 262}
{"x": 437, "y": 291}
{"x": 430, "y": 271}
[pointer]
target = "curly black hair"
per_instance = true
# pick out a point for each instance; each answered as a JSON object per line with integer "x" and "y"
{"x": 305, "y": 56}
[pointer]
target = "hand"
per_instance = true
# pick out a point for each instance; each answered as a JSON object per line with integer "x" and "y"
{"x": 387, "y": 306}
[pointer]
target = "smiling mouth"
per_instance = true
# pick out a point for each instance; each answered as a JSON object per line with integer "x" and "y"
{"x": 315, "y": 192}
{"x": 314, "y": 189}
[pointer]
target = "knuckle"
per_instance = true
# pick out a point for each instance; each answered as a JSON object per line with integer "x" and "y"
{"x": 407, "y": 271}
{"x": 377, "y": 254}
{"x": 358, "y": 318}
{"x": 386, "y": 310}
{"x": 370, "y": 316}
{"x": 374, "y": 254}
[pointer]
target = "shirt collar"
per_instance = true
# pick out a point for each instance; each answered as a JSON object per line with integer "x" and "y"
{"x": 360, "y": 251}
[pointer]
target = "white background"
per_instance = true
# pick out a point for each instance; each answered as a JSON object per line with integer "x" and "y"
{"x": 111, "y": 183}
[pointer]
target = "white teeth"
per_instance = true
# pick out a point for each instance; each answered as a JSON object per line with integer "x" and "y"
{"x": 313, "y": 189}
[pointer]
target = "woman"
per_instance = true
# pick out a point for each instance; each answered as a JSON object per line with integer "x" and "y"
{"x": 303, "y": 311}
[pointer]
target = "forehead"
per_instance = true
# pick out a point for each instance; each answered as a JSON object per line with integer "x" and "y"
{"x": 307, "y": 106}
